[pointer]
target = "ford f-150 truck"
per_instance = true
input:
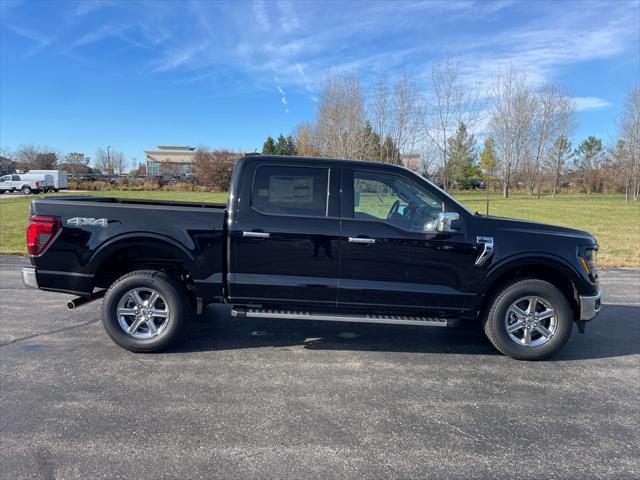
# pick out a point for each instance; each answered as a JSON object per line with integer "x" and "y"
{"x": 316, "y": 239}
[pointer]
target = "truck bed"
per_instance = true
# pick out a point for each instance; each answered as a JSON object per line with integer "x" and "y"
{"x": 99, "y": 228}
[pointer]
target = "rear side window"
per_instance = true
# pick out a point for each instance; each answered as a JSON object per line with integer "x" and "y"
{"x": 16, "y": 178}
{"x": 290, "y": 190}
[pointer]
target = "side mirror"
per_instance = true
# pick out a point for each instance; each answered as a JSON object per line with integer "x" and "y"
{"x": 447, "y": 222}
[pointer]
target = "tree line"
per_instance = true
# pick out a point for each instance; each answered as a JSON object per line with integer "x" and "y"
{"x": 525, "y": 131}
{"x": 42, "y": 157}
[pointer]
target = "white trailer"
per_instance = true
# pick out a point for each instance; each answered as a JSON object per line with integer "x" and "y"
{"x": 59, "y": 178}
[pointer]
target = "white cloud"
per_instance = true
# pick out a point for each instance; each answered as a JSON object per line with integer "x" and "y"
{"x": 590, "y": 103}
{"x": 262, "y": 17}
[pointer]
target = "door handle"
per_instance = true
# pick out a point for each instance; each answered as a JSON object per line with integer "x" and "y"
{"x": 256, "y": 234}
{"x": 361, "y": 240}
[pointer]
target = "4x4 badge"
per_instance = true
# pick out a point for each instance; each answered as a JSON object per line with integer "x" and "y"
{"x": 94, "y": 222}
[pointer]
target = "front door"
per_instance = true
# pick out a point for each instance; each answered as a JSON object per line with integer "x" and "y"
{"x": 285, "y": 239}
{"x": 392, "y": 257}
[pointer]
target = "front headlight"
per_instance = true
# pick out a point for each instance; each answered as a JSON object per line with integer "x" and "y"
{"x": 589, "y": 261}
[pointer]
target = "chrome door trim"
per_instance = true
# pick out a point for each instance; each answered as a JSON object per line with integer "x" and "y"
{"x": 256, "y": 234}
{"x": 362, "y": 240}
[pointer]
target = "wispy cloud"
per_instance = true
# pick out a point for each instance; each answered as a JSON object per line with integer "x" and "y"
{"x": 590, "y": 103}
{"x": 261, "y": 15}
{"x": 40, "y": 39}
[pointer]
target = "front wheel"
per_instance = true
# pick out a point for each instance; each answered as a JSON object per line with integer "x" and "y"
{"x": 529, "y": 320}
{"x": 143, "y": 311}
{"x": 26, "y": 190}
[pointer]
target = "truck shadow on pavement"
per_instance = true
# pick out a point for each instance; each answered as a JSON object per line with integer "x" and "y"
{"x": 616, "y": 332}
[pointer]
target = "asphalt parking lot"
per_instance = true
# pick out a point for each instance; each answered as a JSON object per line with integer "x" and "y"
{"x": 277, "y": 399}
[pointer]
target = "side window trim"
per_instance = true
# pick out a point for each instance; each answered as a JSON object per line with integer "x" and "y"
{"x": 261, "y": 212}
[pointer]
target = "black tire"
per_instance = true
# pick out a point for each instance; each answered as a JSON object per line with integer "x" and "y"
{"x": 26, "y": 190}
{"x": 2, "y": 192}
{"x": 172, "y": 293}
{"x": 495, "y": 319}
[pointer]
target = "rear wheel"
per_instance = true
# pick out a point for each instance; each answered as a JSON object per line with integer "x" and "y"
{"x": 26, "y": 190}
{"x": 529, "y": 320}
{"x": 143, "y": 311}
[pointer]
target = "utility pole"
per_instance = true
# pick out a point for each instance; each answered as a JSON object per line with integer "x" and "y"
{"x": 109, "y": 160}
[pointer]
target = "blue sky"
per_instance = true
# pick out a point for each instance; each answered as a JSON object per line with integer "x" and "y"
{"x": 81, "y": 75}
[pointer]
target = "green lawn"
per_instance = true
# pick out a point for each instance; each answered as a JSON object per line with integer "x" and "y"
{"x": 616, "y": 224}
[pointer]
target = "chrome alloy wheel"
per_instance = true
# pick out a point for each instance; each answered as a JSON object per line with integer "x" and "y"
{"x": 143, "y": 313}
{"x": 531, "y": 321}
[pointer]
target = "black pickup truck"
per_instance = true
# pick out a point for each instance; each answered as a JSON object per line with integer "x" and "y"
{"x": 316, "y": 239}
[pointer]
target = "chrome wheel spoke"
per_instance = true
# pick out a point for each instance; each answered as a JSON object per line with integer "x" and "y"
{"x": 548, "y": 313}
{"x": 543, "y": 331}
{"x": 518, "y": 312}
{"x": 127, "y": 311}
{"x": 135, "y": 325}
{"x": 159, "y": 313}
{"x": 152, "y": 299}
{"x": 515, "y": 327}
{"x": 152, "y": 327}
{"x": 526, "y": 339}
{"x": 533, "y": 302}
{"x": 135, "y": 295}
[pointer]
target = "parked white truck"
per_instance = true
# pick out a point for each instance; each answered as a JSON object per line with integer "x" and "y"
{"x": 27, "y": 183}
{"x": 59, "y": 178}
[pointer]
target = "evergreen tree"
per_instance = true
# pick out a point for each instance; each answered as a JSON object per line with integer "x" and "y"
{"x": 390, "y": 152}
{"x": 589, "y": 154}
{"x": 269, "y": 147}
{"x": 462, "y": 157}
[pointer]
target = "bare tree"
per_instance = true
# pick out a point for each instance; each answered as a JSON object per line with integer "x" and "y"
{"x": 450, "y": 104}
{"x": 341, "y": 117}
{"x": 110, "y": 161}
{"x": 306, "y": 140}
{"x": 36, "y": 157}
{"x": 102, "y": 160}
{"x": 214, "y": 167}
{"x": 118, "y": 162}
{"x": 395, "y": 113}
{"x": 510, "y": 122}
{"x": 630, "y": 133}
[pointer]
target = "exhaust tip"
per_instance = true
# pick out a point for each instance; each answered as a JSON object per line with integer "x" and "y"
{"x": 71, "y": 305}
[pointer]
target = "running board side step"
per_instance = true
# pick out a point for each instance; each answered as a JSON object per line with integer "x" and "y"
{"x": 382, "y": 319}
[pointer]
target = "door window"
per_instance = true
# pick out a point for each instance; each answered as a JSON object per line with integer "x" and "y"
{"x": 6, "y": 178}
{"x": 290, "y": 190}
{"x": 392, "y": 199}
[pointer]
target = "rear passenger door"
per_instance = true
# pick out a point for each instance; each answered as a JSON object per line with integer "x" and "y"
{"x": 285, "y": 236}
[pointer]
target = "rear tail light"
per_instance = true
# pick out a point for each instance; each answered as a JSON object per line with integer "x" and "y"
{"x": 41, "y": 231}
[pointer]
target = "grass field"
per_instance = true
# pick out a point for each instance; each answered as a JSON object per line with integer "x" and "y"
{"x": 615, "y": 224}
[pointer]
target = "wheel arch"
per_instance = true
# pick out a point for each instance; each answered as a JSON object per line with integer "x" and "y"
{"x": 554, "y": 270}
{"x": 132, "y": 252}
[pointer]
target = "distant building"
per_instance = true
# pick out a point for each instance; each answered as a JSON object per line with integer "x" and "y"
{"x": 7, "y": 166}
{"x": 170, "y": 161}
{"x": 411, "y": 160}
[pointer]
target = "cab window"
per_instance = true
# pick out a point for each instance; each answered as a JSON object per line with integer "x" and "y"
{"x": 392, "y": 199}
{"x": 6, "y": 178}
{"x": 290, "y": 190}
{"x": 15, "y": 178}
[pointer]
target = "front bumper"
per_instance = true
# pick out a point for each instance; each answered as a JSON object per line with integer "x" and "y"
{"x": 590, "y": 305}
{"x": 29, "y": 277}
